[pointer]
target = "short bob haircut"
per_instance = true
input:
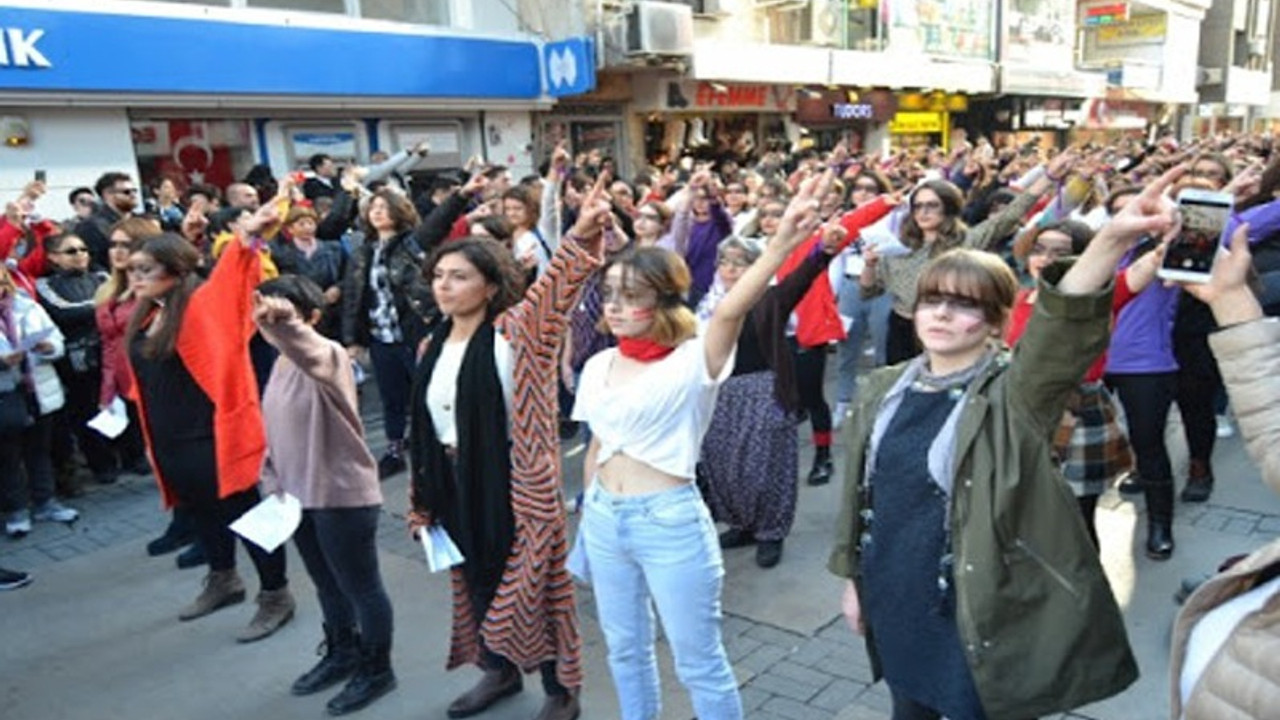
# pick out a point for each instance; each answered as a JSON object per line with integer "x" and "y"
{"x": 1079, "y": 233}
{"x": 983, "y": 276}
{"x": 665, "y": 273}
{"x": 496, "y": 264}
{"x": 749, "y": 248}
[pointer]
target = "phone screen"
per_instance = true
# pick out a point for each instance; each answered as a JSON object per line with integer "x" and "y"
{"x": 40, "y": 176}
{"x": 1195, "y": 247}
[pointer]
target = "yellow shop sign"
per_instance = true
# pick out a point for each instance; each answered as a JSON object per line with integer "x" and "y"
{"x": 918, "y": 123}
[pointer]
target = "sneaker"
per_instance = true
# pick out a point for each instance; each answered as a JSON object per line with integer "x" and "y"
{"x": 18, "y": 524}
{"x": 54, "y": 511}
{"x": 1225, "y": 428}
{"x": 12, "y": 579}
{"x": 839, "y": 414}
{"x": 390, "y": 464}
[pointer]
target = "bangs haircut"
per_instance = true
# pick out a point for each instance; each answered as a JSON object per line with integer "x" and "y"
{"x": 665, "y": 273}
{"x": 1079, "y": 233}
{"x": 982, "y": 276}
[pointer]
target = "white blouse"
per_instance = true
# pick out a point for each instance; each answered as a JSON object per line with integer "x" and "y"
{"x": 442, "y": 391}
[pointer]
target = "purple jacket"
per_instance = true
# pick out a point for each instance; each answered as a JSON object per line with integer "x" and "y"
{"x": 701, "y": 252}
{"x": 1142, "y": 339}
{"x": 1264, "y": 220}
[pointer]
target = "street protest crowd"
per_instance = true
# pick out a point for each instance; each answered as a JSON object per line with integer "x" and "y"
{"x": 1010, "y": 327}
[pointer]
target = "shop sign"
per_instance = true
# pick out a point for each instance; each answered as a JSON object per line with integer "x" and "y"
{"x": 335, "y": 144}
{"x": 731, "y": 96}
{"x": 19, "y": 47}
{"x": 918, "y": 123}
{"x": 1148, "y": 29}
{"x": 662, "y": 94}
{"x": 570, "y": 66}
{"x": 1106, "y": 13}
{"x": 853, "y": 111}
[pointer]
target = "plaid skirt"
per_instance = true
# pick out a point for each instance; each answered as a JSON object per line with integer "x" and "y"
{"x": 1091, "y": 446}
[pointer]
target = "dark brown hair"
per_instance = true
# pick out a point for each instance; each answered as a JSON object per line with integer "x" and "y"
{"x": 179, "y": 258}
{"x": 665, "y": 273}
{"x": 952, "y": 230}
{"x": 983, "y": 276}
{"x": 403, "y": 215}
{"x": 1079, "y": 233}
{"x": 525, "y": 197}
{"x": 495, "y": 263}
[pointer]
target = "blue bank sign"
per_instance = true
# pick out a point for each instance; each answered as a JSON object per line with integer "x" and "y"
{"x": 43, "y": 50}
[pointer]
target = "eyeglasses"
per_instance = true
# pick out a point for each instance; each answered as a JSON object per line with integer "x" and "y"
{"x": 866, "y": 187}
{"x": 1208, "y": 173}
{"x": 144, "y": 271}
{"x": 650, "y": 216}
{"x": 84, "y": 201}
{"x": 125, "y": 191}
{"x": 733, "y": 262}
{"x": 74, "y": 251}
{"x": 927, "y": 206}
{"x": 631, "y": 297}
{"x": 1050, "y": 250}
{"x": 771, "y": 213}
{"x": 960, "y": 304}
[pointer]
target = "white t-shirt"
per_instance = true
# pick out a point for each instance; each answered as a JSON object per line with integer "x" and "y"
{"x": 442, "y": 391}
{"x": 660, "y": 416}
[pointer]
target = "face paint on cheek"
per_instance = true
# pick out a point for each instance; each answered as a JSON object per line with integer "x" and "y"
{"x": 642, "y": 314}
{"x": 971, "y": 325}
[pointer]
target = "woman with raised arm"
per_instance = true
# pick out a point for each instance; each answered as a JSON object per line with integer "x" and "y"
{"x": 969, "y": 570}
{"x": 487, "y": 373}
{"x": 646, "y": 536}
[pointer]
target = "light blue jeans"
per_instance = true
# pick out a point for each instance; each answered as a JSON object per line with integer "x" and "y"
{"x": 869, "y": 315}
{"x": 659, "y": 549}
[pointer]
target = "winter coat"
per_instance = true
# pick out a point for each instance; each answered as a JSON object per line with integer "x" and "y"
{"x": 32, "y": 319}
{"x": 405, "y": 256}
{"x": 1241, "y": 679}
{"x": 112, "y": 317}
{"x": 1041, "y": 628}
{"x": 68, "y": 298}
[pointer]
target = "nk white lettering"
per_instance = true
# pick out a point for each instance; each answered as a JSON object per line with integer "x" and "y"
{"x": 18, "y": 48}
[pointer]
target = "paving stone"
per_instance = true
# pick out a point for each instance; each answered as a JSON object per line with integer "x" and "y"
{"x": 1240, "y": 527}
{"x": 793, "y": 710}
{"x": 839, "y": 695}
{"x": 753, "y": 698}
{"x": 1269, "y": 525}
{"x": 739, "y": 647}
{"x": 1212, "y": 520}
{"x": 734, "y": 626}
{"x": 801, "y": 674}
{"x": 60, "y": 551}
{"x": 877, "y": 697}
{"x": 762, "y": 658}
{"x": 775, "y": 636}
{"x": 812, "y": 653}
{"x": 778, "y": 685}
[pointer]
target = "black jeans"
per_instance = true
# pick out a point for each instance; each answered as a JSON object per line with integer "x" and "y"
{"x": 901, "y": 344}
{"x": 82, "y": 404}
{"x": 904, "y": 708}
{"x": 1197, "y": 398}
{"x": 213, "y": 519}
{"x": 339, "y": 548}
{"x": 393, "y": 371}
{"x": 1146, "y": 398}
{"x": 481, "y": 599}
{"x": 811, "y": 368}
{"x": 27, "y": 450}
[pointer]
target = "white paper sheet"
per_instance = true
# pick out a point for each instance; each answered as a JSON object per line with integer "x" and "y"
{"x": 271, "y": 522}
{"x": 112, "y": 420}
{"x": 442, "y": 553}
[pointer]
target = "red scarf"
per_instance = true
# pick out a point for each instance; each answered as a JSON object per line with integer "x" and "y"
{"x": 642, "y": 349}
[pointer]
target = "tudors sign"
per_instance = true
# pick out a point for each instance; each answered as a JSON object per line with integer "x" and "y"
{"x": 19, "y": 47}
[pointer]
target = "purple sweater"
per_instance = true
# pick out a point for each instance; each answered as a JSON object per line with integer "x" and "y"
{"x": 1142, "y": 340}
{"x": 701, "y": 252}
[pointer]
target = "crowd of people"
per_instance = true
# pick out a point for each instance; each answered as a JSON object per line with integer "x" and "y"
{"x": 680, "y": 322}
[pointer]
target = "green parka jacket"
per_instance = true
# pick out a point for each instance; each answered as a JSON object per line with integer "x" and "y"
{"x": 1041, "y": 628}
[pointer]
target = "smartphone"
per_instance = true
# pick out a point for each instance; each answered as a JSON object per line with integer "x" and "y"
{"x": 1191, "y": 254}
{"x": 41, "y": 176}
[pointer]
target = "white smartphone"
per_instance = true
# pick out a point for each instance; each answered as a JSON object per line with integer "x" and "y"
{"x": 1190, "y": 255}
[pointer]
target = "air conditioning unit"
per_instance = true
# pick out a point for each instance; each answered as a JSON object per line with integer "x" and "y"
{"x": 659, "y": 28}
{"x": 1258, "y": 46}
{"x": 1210, "y": 76}
{"x": 820, "y": 22}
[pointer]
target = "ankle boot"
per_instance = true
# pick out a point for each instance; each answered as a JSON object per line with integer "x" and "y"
{"x": 1159, "y": 519}
{"x": 1199, "y": 483}
{"x": 193, "y": 556}
{"x": 275, "y": 608}
{"x": 820, "y": 474}
{"x": 221, "y": 588}
{"x": 560, "y": 707}
{"x": 493, "y": 686}
{"x": 181, "y": 532}
{"x": 372, "y": 680}
{"x": 340, "y": 660}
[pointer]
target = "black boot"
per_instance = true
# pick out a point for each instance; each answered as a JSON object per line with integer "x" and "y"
{"x": 372, "y": 680}
{"x": 1199, "y": 483}
{"x": 392, "y": 461}
{"x": 341, "y": 658}
{"x": 192, "y": 557}
{"x": 180, "y": 533}
{"x": 1159, "y": 519}
{"x": 820, "y": 473}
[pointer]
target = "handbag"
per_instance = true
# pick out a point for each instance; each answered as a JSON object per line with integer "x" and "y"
{"x": 15, "y": 412}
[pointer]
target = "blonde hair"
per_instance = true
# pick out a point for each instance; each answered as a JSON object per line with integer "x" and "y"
{"x": 137, "y": 229}
{"x": 665, "y": 273}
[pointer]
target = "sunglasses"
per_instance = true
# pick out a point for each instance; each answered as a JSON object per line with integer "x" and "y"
{"x": 866, "y": 187}
{"x": 927, "y": 206}
{"x": 960, "y": 304}
{"x": 74, "y": 251}
{"x": 125, "y": 191}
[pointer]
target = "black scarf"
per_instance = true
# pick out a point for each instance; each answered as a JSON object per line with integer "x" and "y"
{"x": 471, "y": 493}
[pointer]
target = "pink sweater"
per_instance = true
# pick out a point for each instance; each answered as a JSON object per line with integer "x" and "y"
{"x": 315, "y": 440}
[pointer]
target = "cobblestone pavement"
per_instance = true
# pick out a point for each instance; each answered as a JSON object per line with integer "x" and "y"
{"x": 785, "y": 675}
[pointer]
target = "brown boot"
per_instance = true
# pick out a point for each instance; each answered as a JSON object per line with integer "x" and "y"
{"x": 560, "y": 707}
{"x": 495, "y": 685}
{"x": 275, "y": 608}
{"x": 221, "y": 588}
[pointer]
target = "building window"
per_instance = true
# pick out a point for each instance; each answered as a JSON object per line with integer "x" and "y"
{"x": 420, "y": 12}
{"x": 323, "y": 6}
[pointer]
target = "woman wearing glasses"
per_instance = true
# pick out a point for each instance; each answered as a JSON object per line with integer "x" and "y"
{"x": 931, "y": 227}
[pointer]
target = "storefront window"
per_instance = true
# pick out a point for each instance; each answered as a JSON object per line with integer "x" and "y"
{"x": 583, "y": 136}
{"x": 192, "y": 152}
{"x": 325, "y": 6}
{"x": 422, "y": 12}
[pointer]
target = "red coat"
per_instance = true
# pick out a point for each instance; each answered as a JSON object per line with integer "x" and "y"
{"x": 34, "y": 264}
{"x": 818, "y": 318}
{"x": 113, "y": 319}
{"x": 213, "y": 344}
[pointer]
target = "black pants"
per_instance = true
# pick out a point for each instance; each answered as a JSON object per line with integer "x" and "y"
{"x": 1197, "y": 398}
{"x": 904, "y": 708}
{"x": 811, "y": 368}
{"x": 27, "y": 450}
{"x": 901, "y": 343}
{"x": 393, "y": 371}
{"x": 481, "y": 599}
{"x": 1146, "y": 398}
{"x": 339, "y": 548}
{"x": 213, "y": 518}
{"x": 82, "y": 390}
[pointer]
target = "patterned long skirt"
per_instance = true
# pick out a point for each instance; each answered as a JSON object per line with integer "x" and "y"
{"x": 750, "y": 460}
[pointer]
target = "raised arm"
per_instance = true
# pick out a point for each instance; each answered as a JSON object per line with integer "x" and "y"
{"x": 280, "y": 324}
{"x": 797, "y": 224}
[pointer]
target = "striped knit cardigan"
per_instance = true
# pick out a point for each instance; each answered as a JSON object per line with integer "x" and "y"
{"x": 533, "y": 617}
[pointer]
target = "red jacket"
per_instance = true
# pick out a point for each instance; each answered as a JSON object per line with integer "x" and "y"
{"x": 113, "y": 319}
{"x": 213, "y": 343}
{"x": 34, "y": 264}
{"x": 818, "y": 319}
